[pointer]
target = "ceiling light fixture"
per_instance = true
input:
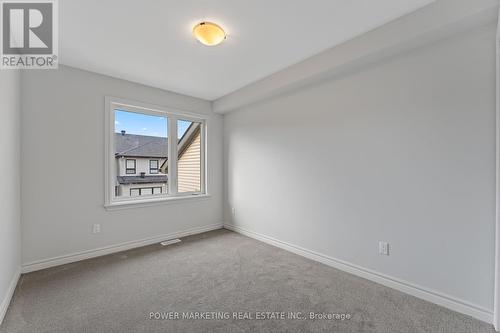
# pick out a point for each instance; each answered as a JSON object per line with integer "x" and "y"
{"x": 209, "y": 33}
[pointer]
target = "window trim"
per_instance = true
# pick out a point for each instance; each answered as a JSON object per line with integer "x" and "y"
{"x": 157, "y": 167}
{"x": 134, "y": 169}
{"x": 171, "y": 195}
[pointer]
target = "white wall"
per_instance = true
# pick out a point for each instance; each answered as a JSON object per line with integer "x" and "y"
{"x": 402, "y": 151}
{"x": 63, "y": 166}
{"x": 10, "y": 223}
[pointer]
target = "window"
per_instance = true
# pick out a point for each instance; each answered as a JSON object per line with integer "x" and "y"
{"x": 130, "y": 166}
{"x": 139, "y": 147}
{"x": 153, "y": 166}
{"x": 135, "y": 192}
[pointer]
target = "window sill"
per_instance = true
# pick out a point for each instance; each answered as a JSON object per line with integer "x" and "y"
{"x": 154, "y": 202}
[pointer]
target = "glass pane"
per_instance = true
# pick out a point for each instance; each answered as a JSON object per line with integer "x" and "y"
{"x": 188, "y": 156}
{"x": 140, "y": 138}
{"x": 147, "y": 191}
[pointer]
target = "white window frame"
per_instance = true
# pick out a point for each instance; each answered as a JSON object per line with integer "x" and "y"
{"x": 110, "y": 172}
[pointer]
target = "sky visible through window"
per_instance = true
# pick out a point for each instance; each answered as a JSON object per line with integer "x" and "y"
{"x": 142, "y": 124}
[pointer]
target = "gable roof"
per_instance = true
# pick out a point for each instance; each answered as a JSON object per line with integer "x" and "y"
{"x": 187, "y": 138}
{"x": 140, "y": 146}
{"x": 133, "y": 145}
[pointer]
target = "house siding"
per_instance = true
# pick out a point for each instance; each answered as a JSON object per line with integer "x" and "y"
{"x": 189, "y": 167}
{"x": 141, "y": 165}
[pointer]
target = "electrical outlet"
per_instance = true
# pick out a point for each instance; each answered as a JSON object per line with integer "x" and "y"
{"x": 96, "y": 228}
{"x": 383, "y": 248}
{"x": 233, "y": 211}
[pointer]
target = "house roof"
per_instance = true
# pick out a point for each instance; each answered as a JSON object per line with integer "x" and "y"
{"x": 187, "y": 138}
{"x": 142, "y": 180}
{"x": 140, "y": 146}
{"x": 133, "y": 145}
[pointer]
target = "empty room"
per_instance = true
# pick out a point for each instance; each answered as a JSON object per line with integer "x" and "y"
{"x": 250, "y": 166}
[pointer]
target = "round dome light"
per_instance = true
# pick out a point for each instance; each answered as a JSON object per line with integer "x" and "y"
{"x": 209, "y": 33}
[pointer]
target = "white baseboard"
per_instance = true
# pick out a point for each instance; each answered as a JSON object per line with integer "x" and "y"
{"x": 432, "y": 296}
{"x": 73, "y": 257}
{"x": 8, "y": 296}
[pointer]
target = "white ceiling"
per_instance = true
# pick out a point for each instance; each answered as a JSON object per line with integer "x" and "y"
{"x": 150, "y": 41}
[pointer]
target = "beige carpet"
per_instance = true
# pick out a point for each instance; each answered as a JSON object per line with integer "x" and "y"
{"x": 210, "y": 279}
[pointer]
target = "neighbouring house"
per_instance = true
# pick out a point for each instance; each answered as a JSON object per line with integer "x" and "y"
{"x": 138, "y": 161}
{"x": 141, "y": 163}
{"x": 189, "y": 165}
